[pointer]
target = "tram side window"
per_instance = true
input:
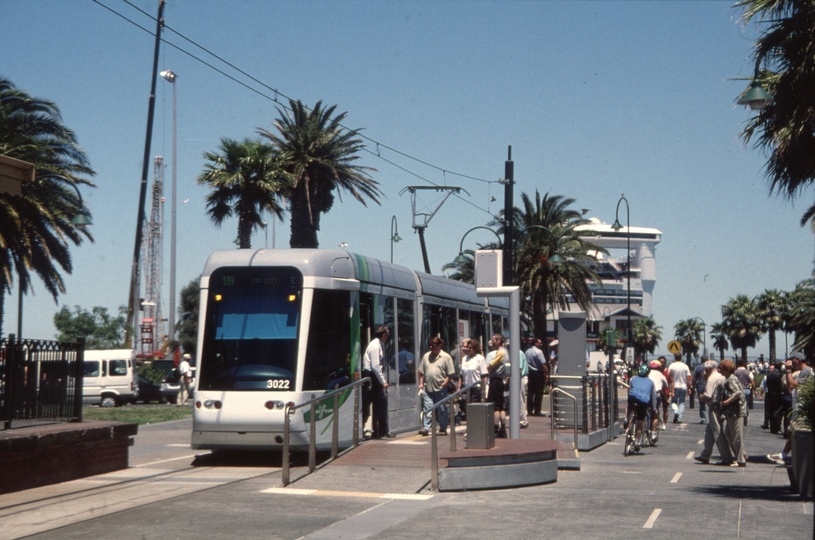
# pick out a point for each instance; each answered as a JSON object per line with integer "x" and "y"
{"x": 328, "y": 354}
{"x": 496, "y": 325}
{"x": 407, "y": 360}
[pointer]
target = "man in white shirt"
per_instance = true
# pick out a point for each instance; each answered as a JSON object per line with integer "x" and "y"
{"x": 373, "y": 366}
{"x": 680, "y": 379}
{"x": 184, "y": 379}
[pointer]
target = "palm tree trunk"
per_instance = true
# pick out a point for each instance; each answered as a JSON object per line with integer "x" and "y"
{"x": 304, "y": 224}
{"x": 772, "y": 345}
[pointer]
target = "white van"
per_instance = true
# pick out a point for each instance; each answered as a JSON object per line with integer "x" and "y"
{"x": 110, "y": 378}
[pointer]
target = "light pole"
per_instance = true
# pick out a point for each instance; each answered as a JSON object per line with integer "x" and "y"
{"x": 617, "y": 227}
{"x": 266, "y": 232}
{"x": 461, "y": 259}
{"x": 170, "y": 77}
{"x": 394, "y": 234}
{"x": 756, "y": 97}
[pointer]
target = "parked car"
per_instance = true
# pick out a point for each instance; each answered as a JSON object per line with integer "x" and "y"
{"x": 109, "y": 378}
{"x": 165, "y": 392}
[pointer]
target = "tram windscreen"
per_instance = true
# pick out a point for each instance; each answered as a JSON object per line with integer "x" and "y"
{"x": 250, "y": 334}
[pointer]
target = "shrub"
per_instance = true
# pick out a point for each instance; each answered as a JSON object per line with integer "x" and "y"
{"x": 806, "y": 404}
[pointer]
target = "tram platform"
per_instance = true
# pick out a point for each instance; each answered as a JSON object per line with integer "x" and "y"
{"x": 404, "y": 462}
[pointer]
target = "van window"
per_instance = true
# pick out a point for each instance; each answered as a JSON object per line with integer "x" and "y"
{"x": 118, "y": 368}
{"x": 91, "y": 368}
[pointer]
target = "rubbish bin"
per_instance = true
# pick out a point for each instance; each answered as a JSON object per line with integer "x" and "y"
{"x": 480, "y": 427}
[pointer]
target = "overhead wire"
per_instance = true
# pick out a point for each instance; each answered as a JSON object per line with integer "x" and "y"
{"x": 277, "y": 92}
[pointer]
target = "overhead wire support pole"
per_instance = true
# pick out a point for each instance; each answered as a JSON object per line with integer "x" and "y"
{"x": 509, "y": 181}
{"x": 421, "y": 224}
{"x": 132, "y": 302}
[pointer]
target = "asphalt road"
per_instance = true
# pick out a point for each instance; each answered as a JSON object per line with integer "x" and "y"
{"x": 168, "y": 493}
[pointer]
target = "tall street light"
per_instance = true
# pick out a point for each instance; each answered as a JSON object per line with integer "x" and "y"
{"x": 617, "y": 227}
{"x": 756, "y": 97}
{"x": 394, "y": 234}
{"x": 170, "y": 77}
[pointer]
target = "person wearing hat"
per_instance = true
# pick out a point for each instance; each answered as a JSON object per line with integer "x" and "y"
{"x": 713, "y": 432}
{"x": 184, "y": 379}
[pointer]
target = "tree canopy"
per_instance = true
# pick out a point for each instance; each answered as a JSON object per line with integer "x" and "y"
{"x": 100, "y": 329}
{"x": 35, "y": 226}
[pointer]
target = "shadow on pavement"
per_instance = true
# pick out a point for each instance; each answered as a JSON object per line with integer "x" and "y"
{"x": 764, "y": 493}
{"x": 248, "y": 458}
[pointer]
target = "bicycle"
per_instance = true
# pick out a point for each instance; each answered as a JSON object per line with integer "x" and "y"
{"x": 632, "y": 443}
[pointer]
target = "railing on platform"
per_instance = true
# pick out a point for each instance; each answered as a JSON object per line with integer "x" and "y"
{"x": 552, "y": 407}
{"x": 40, "y": 380}
{"x": 596, "y": 406}
{"x": 312, "y": 439}
{"x": 434, "y": 449}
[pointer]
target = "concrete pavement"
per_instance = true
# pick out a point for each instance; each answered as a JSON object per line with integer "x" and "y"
{"x": 659, "y": 492}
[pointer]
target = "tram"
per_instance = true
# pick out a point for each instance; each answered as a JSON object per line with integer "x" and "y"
{"x": 288, "y": 325}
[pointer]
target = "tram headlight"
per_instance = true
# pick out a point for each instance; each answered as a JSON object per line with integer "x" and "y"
{"x": 210, "y": 404}
{"x": 271, "y": 405}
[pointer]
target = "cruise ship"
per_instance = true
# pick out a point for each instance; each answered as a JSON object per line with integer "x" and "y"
{"x": 610, "y": 297}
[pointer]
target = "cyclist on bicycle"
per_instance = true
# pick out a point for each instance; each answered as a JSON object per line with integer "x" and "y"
{"x": 662, "y": 388}
{"x": 641, "y": 398}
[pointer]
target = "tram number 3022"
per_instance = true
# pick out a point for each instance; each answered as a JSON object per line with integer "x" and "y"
{"x": 278, "y": 384}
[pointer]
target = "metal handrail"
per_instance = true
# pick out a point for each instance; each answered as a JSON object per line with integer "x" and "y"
{"x": 552, "y": 408}
{"x": 434, "y": 450}
{"x": 312, "y": 443}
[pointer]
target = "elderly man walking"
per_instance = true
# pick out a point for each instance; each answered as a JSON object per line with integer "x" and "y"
{"x": 714, "y": 433}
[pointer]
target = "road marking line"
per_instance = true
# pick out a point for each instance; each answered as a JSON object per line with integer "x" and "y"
{"x": 166, "y": 460}
{"x": 689, "y": 456}
{"x": 676, "y": 478}
{"x": 701, "y": 441}
{"x": 408, "y": 442}
{"x": 360, "y": 494}
{"x": 180, "y": 445}
{"x": 654, "y": 515}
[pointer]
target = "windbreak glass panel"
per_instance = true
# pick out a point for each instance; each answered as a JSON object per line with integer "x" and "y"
{"x": 250, "y": 334}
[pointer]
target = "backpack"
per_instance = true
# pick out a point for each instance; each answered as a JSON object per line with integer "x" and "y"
{"x": 774, "y": 383}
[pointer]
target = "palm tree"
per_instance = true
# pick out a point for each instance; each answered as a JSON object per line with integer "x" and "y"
{"x": 35, "y": 226}
{"x": 785, "y": 126}
{"x": 802, "y": 316}
{"x": 688, "y": 333}
{"x": 246, "y": 179}
{"x": 742, "y": 323}
{"x": 772, "y": 308}
{"x": 646, "y": 335}
{"x": 543, "y": 282}
{"x": 320, "y": 155}
{"x": 720, "y": 343}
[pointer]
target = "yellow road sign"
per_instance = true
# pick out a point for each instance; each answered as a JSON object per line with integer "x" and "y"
{"x": 675, "y": 347}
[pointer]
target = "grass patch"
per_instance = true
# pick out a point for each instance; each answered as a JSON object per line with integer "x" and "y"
{"x": 142, "y": 414}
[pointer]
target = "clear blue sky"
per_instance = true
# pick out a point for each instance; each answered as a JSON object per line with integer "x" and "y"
{"x": 597, "y": 99}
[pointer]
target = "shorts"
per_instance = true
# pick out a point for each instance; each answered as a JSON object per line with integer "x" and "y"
{"x": 496, "y": 394}
{"x": 639, "y": 407}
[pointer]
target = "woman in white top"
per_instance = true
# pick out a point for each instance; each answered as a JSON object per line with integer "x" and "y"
{"x": 473, "y": 369}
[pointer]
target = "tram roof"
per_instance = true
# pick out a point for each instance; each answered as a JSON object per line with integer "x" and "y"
{"x": 334, "y": 263}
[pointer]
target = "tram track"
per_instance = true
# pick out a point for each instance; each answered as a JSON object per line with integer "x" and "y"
{"x": 52, "y": 507}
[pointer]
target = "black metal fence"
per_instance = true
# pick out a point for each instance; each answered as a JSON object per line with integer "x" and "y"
{"x": 40, "y": 380}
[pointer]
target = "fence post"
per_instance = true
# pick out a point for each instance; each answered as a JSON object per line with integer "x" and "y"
{"x": 335, "y": 435}
{"x": 452, "y": 421}
{"x": 434, "y": 455}
{"x": 285, "y": 466}
{"x": 79, "y": 378}
{"x": 585, "y": 404}
{"x": 312, "y": 435}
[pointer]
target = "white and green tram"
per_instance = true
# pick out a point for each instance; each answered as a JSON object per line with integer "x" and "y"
{"x": 287, "y": 325}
